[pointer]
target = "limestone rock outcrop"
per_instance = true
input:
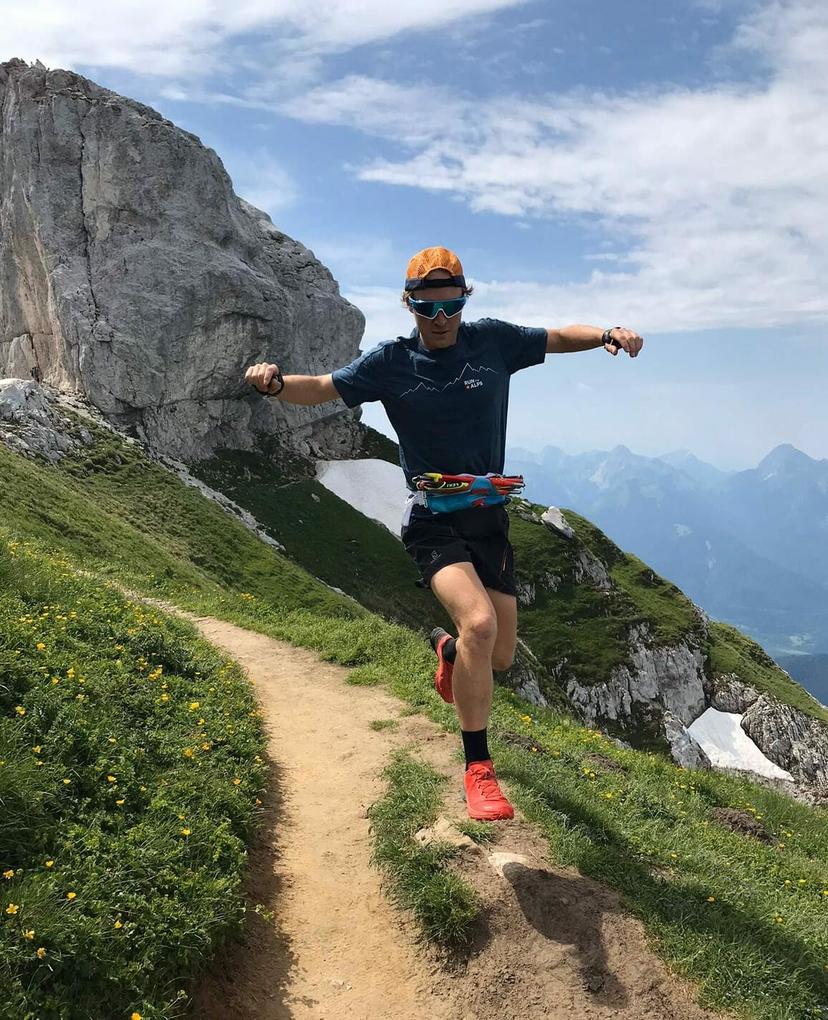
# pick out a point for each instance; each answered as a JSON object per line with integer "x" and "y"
{"x": 657, "y": 679}
{"x": 131, "y": 273}
{"x": 795, "y": 741}
{"x": 661, "y": 689}
{"x": 30, "y": 425}
{"x": 38, "y": 421}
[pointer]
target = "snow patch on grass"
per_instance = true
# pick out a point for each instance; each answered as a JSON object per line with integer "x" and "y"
{"x": 728, "y": 746}
{"x": 374, "y": 487}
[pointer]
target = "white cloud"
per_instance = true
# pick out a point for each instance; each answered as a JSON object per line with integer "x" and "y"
{"x": 260, "y": 179}
{"x": 714, "y": 198}
{"x": 354, "y": 257}
{"x": 385, "y": 315}
{"x": 191, "y": 37}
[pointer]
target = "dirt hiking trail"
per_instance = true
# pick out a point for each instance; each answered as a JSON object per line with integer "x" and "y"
{"x": 551, "y": 944}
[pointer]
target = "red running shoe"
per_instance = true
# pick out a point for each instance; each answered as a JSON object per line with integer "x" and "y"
{"x": 484, "y": 797}
{"x": 442, "y": 678}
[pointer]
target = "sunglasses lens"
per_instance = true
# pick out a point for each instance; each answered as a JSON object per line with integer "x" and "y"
{"x": 430, "y": 309}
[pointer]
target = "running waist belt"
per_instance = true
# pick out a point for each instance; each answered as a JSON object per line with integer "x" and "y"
{"x": 446, "y": 493}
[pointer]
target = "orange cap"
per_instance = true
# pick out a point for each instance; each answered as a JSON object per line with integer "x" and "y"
{"x": 429, "y": 259}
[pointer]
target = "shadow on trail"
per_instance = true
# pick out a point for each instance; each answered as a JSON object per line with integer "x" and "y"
{"x": 685, "y": 906}
{"x": 248, "y": 979}
{"x": 570, "y": 912}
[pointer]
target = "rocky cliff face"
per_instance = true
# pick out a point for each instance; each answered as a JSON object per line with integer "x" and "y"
{"x": 661, "y": 688}
{"x": 130, "y": 272}
{"x": 795, "y": 741}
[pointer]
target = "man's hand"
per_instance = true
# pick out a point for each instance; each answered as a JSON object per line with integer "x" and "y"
{"x": 263, "y": 377}
{"x": 629, "y": 340}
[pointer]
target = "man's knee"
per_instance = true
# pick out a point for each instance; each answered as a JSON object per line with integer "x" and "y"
{"x": 480, "y": 629}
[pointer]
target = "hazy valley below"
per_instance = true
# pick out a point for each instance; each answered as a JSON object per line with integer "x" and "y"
{"x": 748, "y": 546}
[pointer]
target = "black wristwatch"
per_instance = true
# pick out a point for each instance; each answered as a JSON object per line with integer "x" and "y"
{"x": 277, "y": 375}
{"x": 607, "y": 339}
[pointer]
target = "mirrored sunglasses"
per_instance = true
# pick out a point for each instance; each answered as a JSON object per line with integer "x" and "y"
{"x": 430, "y": 309}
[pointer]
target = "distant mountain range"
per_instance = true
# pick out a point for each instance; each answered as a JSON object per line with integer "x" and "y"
{"x": 750, "y": 547}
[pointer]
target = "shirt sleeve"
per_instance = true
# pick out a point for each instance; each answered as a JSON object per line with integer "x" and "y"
{"x": 363, "y": 380}
{"x": 521, "y": 346}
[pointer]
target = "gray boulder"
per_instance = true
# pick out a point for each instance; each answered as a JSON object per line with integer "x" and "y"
{"x": 795, "y": 741}
{"x": 131, "y": 273}
{"x": 30, "y": 425}
{"x": 685, "y": 750}
{"x": 553, "y": 518}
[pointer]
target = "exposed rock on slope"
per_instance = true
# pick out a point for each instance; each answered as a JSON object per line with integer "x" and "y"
{"x": 37, "y": 421}
{"x": 131, "y": 272}
{"x": 795, "y": 741}
{"x": 580, "y": 597}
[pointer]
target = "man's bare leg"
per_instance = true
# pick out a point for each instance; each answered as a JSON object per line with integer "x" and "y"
{"x": 505, "y": 607}
{"x": 473, "y": 611}
{"x": 468, "y": 603}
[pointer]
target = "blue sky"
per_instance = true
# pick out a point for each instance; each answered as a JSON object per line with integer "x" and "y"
{"x": 663, "y": 166}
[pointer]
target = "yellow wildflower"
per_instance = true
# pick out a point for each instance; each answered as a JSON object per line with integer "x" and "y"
{"x": 66, "y": 782}
{"x": 41, "y": 952}
{"x": 71, "y": 895}
{"x": 193, "y": 706}
{"x": 50, "y": 864}
{"x": 40, "y": 646}
{"x": 711, "y": 899}
{"x": 9, "y": 873}
{"x": 20, "y": 710}
{"x": 12, "y": 908}
{"x": 118, "y": 924}
{"x": 119, "y": 802}
{"x": 28, "y": 934}
{"x": 36, "y": 749}
{"x": 187, "y": 752}
{"x": 236, "y": 781}
{"x": 111, "y": 779}
{"x": 185, "y": 832}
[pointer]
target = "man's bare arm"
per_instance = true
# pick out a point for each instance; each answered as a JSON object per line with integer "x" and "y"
{"x": 580, "y": 337}
{"x": 298, "y": 389}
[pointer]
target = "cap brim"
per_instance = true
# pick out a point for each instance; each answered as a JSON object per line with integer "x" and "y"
{"x": 421, "y": 282}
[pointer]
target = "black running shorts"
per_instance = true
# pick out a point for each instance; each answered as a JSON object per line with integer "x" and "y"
{"x": 478, "y": 535}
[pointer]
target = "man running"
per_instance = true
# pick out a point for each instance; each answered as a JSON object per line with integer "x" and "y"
{"x": 445, "y": 389}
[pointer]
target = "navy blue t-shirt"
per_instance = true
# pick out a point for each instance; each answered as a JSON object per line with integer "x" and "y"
{"x": 448, "y": 406}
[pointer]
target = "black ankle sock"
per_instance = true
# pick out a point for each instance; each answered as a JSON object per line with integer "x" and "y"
{"x": 475, "y": 746}
{"x": 450, "y": 650}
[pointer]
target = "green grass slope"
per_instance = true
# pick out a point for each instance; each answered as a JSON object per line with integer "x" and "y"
{"x": 746, "y": 919}
{"x": 575, "y": 623}
{"x": 327, "y": 536}
{"x": 130, "y": 779}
